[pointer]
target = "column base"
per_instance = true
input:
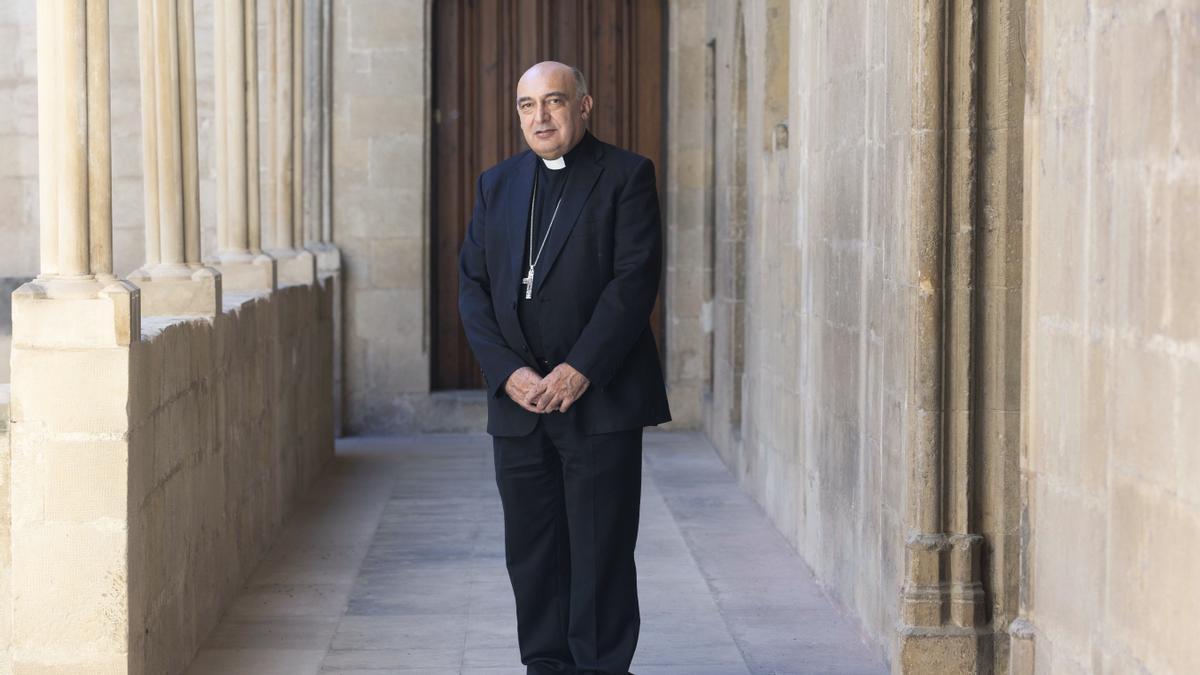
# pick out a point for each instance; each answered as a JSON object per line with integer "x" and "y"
{"x": 946, "y": 649}
{"x": 329, "y": 258}
{"x": 296, "y": 266}
{"x": 247, "y": 272}
{"x": 179, "y": 290}
{"x": 942, "y": 607}
{"x": 923, "y": 600}
{"x": 76, "y": 312}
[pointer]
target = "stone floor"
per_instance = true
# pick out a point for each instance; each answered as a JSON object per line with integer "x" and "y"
{"x": 394, "y": 564}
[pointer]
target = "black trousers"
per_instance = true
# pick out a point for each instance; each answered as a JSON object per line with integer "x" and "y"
{"x": 571, "y": 507}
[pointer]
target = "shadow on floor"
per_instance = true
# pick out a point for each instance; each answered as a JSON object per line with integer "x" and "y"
{"x": 394, "y": 563}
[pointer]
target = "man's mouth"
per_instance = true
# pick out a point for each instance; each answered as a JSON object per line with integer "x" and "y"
{"x": 544, "y": 133}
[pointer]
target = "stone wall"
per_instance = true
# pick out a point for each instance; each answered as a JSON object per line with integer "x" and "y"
{"x": 808, "y": 107}
{"x": 18, "y": 138}
{"x": 227, "y": 422}
{"x": 381, "y": 216}
{"x": 1110, "y": 462}
{"x": 687, "y": 213}
{"x": 795, "y": 281}
{"x": 233, "y": 435}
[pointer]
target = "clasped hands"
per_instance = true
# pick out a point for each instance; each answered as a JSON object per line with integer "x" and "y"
{"x": 553, "y": 393}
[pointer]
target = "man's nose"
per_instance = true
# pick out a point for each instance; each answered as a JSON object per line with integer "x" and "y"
{"x": 543, "y": 112}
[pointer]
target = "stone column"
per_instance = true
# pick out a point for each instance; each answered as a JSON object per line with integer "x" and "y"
{"x": 173, "y": 280}
{"x": 296, "y": 264}
{"x": 318, "y": 173}
{"x": 240, "y": 259}
{"x": 943, "y": 623}
{"x": 72, "y": 330}
{"x": 74, "y": 183}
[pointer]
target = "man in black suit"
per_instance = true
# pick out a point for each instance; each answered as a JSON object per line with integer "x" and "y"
{"x": 558, "y": 276}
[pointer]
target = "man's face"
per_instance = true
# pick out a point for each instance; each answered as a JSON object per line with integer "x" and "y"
{"x": 553, "y": 117}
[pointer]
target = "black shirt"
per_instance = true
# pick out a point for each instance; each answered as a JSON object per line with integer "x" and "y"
{"x": 551, "y": 184}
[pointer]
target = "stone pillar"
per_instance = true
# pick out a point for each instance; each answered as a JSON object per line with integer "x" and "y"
{"x": 240, "y": 259}
{"x": 296, "y": 264}
{"x": 73, "y": 327}
{"x": 943, "y": 626}
{"x": 318, "y": 220}
{"x": 173, "y": 280}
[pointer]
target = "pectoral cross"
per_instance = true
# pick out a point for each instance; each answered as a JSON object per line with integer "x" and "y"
{"x": 528, "y": 281}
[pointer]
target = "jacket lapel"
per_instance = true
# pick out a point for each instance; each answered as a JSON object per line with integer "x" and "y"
{"x": 517, "y": 213}
{"x": 580, "y": 181}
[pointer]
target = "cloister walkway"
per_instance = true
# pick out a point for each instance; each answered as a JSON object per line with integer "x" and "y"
{"x": 394, "y": 563}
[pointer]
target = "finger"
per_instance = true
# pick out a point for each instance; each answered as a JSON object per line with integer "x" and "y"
{"x": 534, "y": 393}
{"x": 566, "y": 403}
{"x": 574, "y": 394}
{"x": 550, "y": 400}
{"x": 529, "y": 405}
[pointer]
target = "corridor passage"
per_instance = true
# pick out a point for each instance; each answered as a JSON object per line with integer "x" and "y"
{"x": 395, "y": 564}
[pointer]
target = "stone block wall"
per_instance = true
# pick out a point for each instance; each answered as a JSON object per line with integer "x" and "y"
{"x": 829, "y": 293}
{"x": 794, "y": 282}
{"x": 810, "y": 286}
{"x": 381, "y": 215}
{"x": 227, "y": 422}
{"x": 687, "y": 213}
{"x": 233, "y": 422}
{"x": 1111, "y": 438}
{"x": 18, "y": 138}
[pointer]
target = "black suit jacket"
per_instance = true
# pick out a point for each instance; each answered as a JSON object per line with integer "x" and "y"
{"x": 597, "y": 281}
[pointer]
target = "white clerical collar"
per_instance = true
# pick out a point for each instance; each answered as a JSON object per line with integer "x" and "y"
{"x": 555, "y": 164}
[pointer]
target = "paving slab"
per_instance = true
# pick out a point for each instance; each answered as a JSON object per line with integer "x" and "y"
{"x": 394, "y": 563}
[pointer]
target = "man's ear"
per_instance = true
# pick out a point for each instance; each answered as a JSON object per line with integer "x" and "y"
{"x": 585, "y": 106}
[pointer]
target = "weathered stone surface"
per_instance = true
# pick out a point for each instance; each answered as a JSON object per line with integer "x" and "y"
{"x": 1110, "y": 377}
{"x": 381, "y": 217}
{"x": 794, "y": 272}
{"x": 803, "y": 250}
{"x": 147, "y": 491}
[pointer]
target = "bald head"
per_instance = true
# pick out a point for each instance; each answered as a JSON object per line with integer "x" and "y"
{"x": 558, "y": 70}
{"x": 553, "y": 105}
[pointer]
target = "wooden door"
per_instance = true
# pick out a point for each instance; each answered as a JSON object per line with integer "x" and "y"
{"x": 481, "y": 48}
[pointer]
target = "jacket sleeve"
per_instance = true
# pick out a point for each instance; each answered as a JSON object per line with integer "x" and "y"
{"x": 475, "y": 308}
{"x": 622, "y": 313}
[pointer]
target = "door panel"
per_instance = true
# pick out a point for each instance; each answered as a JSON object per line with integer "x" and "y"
{"x": 481, "y": 48}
